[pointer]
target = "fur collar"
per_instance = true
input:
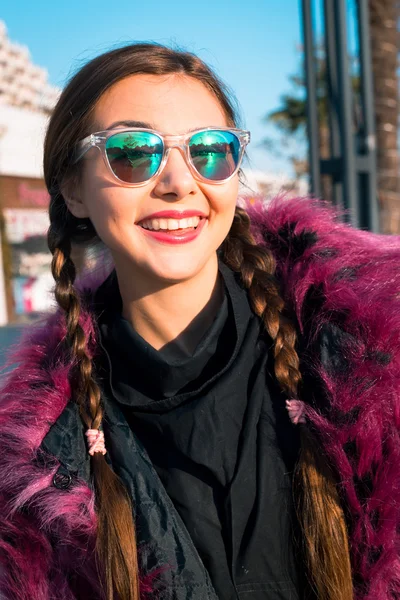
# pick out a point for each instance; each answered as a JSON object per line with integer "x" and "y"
{"x": 331, "y": 276}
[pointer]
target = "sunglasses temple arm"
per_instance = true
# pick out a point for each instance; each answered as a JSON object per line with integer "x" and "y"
{"x": 84, "y": 145}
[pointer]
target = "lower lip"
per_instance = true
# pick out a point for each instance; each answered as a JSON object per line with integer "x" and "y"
{"x": 175, "y": 237}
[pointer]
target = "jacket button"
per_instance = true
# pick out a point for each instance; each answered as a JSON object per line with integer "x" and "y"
{"x": 62, "y": 479}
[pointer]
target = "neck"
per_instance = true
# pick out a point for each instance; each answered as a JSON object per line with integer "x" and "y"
{"x": 172, "y": 317}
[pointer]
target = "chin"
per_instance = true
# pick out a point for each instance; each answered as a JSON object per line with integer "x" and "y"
{"x": 178, "y": 268}
{"x": 175, "y": 273}
{"x": 167, "y": 266}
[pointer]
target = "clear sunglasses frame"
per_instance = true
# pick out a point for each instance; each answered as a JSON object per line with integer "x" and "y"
{"x": 98, "y": 140}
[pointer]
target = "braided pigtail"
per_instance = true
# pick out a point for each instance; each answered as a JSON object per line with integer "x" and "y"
{"x": 116, "y": 551}
{"x": 321, "y": 517}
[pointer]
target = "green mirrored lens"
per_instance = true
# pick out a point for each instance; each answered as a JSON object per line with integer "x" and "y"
{"x": 134, "y": 156}
{"x": 215, "y": 153}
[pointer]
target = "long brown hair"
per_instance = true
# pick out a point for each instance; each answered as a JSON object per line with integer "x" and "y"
{"x": 320, "y": 515}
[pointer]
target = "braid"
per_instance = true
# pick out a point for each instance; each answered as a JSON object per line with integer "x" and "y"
{"x": 317, "y": 501}
{"x": 256, "y": 267}
{"x": 87, "y": 393}
{"x": 116, "y": 550}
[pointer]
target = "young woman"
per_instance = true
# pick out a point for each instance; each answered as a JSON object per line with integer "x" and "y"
{"x": 219, "y": 416}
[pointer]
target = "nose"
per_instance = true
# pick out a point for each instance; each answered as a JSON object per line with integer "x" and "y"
{"x": 175, "y": 180}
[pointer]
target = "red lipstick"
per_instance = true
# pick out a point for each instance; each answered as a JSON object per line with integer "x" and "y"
{"x": 175, "y": 236}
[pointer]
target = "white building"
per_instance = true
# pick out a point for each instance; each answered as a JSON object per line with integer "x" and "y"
{"x": 26, "y": 101}
{"x": 22, "y": 83}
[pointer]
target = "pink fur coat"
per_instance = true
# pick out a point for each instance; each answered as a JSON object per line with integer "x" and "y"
{"x": 330, "y": 274}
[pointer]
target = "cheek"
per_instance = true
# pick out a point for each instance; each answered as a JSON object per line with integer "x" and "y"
{"x": 110, "y": 207}
{"x": 223, "y": 199}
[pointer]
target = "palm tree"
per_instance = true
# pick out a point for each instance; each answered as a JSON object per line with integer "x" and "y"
{"x": 291, "y": 117}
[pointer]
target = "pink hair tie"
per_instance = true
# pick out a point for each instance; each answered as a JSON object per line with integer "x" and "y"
{"x": 296, "y": 410}
{"x": 96, "y": 441}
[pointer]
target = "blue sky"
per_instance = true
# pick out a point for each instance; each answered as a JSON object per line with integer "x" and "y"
{"x": 252, "y": 44}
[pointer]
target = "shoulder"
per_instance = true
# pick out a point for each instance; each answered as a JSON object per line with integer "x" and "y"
{"x": 322, "y": 260}
{"x": 341, "y": 287}
{"x": 32, "y": 397}
{"x": 335, "y": 278}
{"x": 36, "y": 391}
{"x": 36, "y": 371}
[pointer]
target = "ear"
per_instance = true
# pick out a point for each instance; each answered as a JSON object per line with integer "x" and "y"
{"x": 73, "y": 200}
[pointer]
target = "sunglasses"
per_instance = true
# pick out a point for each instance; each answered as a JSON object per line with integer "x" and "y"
{"x": 136, "y": 156}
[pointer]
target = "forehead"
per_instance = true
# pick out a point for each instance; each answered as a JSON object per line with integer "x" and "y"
{"x": 169, "y": 103}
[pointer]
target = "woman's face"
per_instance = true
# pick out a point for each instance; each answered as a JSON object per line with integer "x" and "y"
{"x": 172, "y": 104}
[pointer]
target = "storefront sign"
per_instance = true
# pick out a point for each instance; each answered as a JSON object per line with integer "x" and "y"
{"x": 23, "y": 192}
{"x": 32, "y": 283}
{"x": 33, "y": 196}
{"x": 22, "y": 224}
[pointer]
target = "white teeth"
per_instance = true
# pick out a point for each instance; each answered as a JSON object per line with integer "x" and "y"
{"x": 170, "y": 224}
{"x": 174, "y": 224}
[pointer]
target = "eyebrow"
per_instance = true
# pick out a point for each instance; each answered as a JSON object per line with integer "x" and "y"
{"x": 142, "y": 124}
{"x": 145, "y": 125}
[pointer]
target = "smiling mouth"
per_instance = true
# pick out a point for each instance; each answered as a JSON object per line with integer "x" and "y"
{"x": 174, "y": 231}
{"x": 172, "y": 226}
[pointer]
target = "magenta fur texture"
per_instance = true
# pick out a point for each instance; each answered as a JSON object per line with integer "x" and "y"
{"x": 46, "y": 533}
{"x": 358, "y": 276}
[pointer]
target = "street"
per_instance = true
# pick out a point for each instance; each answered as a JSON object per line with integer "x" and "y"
{"x": 9, "y": 335}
